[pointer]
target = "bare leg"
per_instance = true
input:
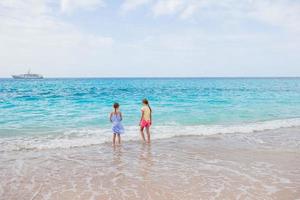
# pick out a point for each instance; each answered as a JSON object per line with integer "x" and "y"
{"x": 114, "y": 140}
{"x": 142, "y": 134}
{"x": 148, "y": 134}
{"x": 119, "y": 139}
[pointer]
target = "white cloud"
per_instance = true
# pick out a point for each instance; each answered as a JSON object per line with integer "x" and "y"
{"x": 31, "y": 33}
{"x": 167, "y": 7}
{"x": 189, "y": 10}
{"x": 27, "y": 20}
{"x": 129, "y": 5}
{"x": 280, "y": 13}
{"x": 71, "y": 5}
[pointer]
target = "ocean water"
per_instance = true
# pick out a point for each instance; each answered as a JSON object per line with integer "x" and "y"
{"x": 63, "y": 113}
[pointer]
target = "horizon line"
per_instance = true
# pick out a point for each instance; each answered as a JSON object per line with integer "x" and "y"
{"x": 125, "y": 77}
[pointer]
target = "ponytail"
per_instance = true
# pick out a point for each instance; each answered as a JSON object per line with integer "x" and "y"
{"x": 149, "y": 108}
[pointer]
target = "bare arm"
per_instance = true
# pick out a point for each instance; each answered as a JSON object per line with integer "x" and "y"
{"x": 142, "y": 116}
{"x": 121, "y": 116}
{"x": 110, "y": 117}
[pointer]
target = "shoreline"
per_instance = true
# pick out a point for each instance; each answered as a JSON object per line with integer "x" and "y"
{"x": 259, "y": 165}
{"x": 89, "y": 137}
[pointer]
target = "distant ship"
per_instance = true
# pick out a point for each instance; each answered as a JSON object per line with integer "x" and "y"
{"x": 29, "y": 75}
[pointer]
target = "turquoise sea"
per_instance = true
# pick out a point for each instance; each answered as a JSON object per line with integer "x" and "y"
{"x": 63, "y": 113}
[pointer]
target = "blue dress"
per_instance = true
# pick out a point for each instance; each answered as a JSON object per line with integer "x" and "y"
{"x": 117, "y": 125}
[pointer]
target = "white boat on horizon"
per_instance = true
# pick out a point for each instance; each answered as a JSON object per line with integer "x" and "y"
{"x": 29, "y": 75}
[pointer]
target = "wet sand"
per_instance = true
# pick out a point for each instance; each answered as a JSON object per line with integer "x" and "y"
{"x": 261, "y": 165}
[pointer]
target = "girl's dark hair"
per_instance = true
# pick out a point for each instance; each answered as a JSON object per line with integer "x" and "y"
{"x": 145, "y": 101}
{"x": 116, "y": 106}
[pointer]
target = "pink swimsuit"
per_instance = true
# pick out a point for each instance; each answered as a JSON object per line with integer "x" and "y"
{"x": 145, "y": 123}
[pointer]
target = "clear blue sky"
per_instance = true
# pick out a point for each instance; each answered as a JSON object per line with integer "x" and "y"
{"x": 97, "y": 38}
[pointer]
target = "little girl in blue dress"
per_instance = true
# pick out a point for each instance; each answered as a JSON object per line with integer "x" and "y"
{"x": 117, "y": 127}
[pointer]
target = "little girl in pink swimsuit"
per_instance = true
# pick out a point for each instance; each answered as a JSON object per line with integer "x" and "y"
{"x": 146, "y": 120}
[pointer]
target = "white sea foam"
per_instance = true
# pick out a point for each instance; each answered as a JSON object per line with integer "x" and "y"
{"x": 88, "y": 137}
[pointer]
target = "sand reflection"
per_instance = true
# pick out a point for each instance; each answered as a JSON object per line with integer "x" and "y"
{"x": 117, "y": 160}
{"x": 145, "y": 161}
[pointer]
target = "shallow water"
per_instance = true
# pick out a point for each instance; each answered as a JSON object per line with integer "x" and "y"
{"x": 260, "y": 165}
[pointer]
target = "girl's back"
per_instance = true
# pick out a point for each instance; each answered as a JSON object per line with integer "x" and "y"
{"x": 116, "y": 117}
